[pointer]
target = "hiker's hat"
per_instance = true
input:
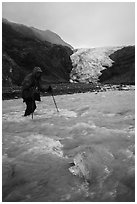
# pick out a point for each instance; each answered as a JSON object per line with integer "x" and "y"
{"x": 37, "y": 69}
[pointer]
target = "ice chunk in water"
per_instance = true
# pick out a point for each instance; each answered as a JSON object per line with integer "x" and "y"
{"x": 93, "y": 163}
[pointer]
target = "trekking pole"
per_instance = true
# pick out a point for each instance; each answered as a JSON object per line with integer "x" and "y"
{"x": 32, "y": 109}
{"x": 32, "y": 104}
{"x": 54, "y": 101}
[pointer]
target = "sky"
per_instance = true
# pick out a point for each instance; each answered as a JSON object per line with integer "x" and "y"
{"x": 81, "y": 24}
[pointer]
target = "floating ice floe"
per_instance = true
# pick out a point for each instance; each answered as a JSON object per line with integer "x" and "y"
{"x": 93, "y": 163}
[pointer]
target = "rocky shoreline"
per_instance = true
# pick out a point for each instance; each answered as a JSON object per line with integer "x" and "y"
{"x": 68, "y": 88}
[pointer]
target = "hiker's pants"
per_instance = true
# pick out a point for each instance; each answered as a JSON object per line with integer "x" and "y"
{"x": 30, "y": 107}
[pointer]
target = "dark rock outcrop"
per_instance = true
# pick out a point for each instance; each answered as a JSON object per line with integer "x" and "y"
{"x": 123, "y": 68}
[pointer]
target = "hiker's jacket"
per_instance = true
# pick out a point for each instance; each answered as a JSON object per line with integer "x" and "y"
{"x": 31, "y": 87}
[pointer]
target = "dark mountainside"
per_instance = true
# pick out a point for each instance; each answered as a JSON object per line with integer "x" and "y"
{"x": 123, "y": 69}
{"x": 42, "y": 35}
{"x": 21, "y": 51}
{"x": 49, "y": 36}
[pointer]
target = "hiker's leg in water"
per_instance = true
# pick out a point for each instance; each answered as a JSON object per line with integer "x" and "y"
{"x": 28, "y": 110}
{"x": 30, "y": 107}
{"x": 33, "y": 106}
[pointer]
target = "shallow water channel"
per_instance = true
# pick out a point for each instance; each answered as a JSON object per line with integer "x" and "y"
{"x": 83, "y": 153}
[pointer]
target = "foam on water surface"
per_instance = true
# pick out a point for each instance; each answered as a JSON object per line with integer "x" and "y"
{"x": 37, "y": 144}
{"x": 92, "y": 136}
{"x": 40, "y": 144}
{"x": 17, "y": 116}
{"x": 47, "y": 113}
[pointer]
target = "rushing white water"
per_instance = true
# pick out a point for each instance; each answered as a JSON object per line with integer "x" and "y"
{"x": 83, "y": 153}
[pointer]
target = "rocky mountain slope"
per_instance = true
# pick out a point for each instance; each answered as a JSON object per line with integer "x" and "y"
{"x": 106, "y": 65}
{"x": 123, "y": 68}
{"x": 21, "y": 51}
{"x": 49, "y": 36}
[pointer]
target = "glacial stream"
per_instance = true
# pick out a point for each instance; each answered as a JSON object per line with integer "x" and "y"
{"x": 83, "y": 153}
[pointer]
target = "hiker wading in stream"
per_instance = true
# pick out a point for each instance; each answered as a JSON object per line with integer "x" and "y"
{"x": 31, "y": 88}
